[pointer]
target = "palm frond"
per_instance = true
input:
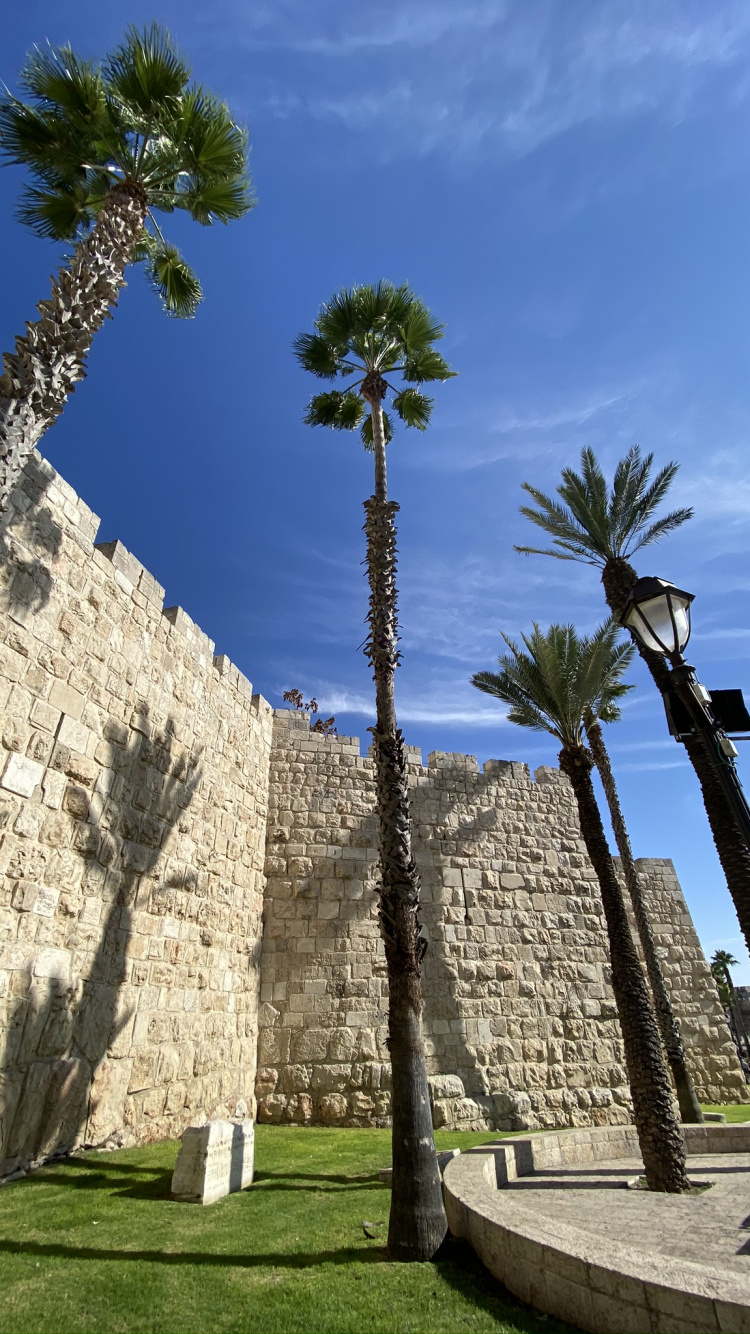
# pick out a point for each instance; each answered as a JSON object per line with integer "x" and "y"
{"x": 338, "y": 320}
{"x": 662, "y": 527}
{"x": 340, "y": 410}
{"x": 366, "y": 432}
{"x": 315, "y": 353}
{"x": 598, "y": 525}
{"x": 146, "y": 75}
{"x": 55, "y": 215}
{"x": 522, "y": 709}
{"x": 57, "y": 78}
{"x": 413, "y": 408}
{"x": 564, "y": 551}
{"x": 377, "y": 328}
{"x": 419, "y": 330}
{"x": 43, "y": 141}
{"x": 216, "y": 201}
{"x": 174, "y": 281}
{"x": 557, "y": 680}
{"x": 562, "y": 525}
{"x": 426, "y": 364}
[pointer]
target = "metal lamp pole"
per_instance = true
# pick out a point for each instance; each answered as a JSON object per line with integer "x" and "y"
{"x": 658, "y": 614}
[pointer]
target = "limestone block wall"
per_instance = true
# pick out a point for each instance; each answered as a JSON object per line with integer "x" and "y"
{"x": 520, "y": 1022}
{"x": 705, "y": 1032}
{"x": 133, "y": 788}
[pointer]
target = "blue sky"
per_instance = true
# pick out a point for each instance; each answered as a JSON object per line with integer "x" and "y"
{"x": 567, "y": 185}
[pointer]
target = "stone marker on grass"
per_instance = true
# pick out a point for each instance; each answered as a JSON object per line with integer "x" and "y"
{"x": 214, "y": 1160}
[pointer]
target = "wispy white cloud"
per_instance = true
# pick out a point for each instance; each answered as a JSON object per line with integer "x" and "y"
{"x": 648, "y": 766}
{"x": 497, "y": 77}
{"x": 335, "y": 32}
{"x": 432, "y": 708}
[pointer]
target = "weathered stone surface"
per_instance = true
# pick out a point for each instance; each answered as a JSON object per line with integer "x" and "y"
{"x": 520, "y": 1024}
{"x": 214, "y": 1160}
{"x": 142, "y": 784}
{"x": 133, "y": 796}
{"x": 21, "y": 774}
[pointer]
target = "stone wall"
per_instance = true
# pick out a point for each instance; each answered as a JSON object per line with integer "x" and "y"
{"x": 519, "y": 1017}
{"x": 139, "y": 792}
{"x": 133, "y": 784}
{"x": 708, "y": 1041}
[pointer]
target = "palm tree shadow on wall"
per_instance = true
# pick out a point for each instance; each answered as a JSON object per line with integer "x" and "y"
{"x": 491, "y": 1067}
{"x": 64, "y": 1076}
{"x": 29, "y": 539}
{"x": 449, "y": 979}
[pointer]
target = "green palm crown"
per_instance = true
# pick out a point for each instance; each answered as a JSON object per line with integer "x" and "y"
{"x": 132, "y": 118}
{"x": 370, "y": 333}
{"x": 595, "y": 525}
{"x": 560, "y": 680}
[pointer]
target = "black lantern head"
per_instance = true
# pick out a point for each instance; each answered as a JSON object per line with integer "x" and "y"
{"x": 658, "y": 613}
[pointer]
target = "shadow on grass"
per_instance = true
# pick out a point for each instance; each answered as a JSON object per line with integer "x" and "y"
{"x": 158, "y": 1187}
{"x": 291, "y": 1181}
{"x": 298, "y": 1260}
{"x": 154, "y": 1183}
{"x": 464, "y": 1272}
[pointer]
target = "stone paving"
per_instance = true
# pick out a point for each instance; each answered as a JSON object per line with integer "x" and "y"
{"x": 711, "y": 1229}
{"x": 551, "y": 1218}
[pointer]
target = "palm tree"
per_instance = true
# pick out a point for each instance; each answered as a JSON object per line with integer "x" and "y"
{"x": 108, "y": 145}
{"x": 369, "y": 333}
{"x": 721, "y": 962}
{"x": 551, "y": 684}
{"x": 606, "y": 528}
{"x": 611, "y": 661}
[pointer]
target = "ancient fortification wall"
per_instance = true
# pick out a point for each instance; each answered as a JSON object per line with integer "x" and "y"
{"x": 141, "y": 784}
{"x": 519, "y": 1017}
{"x": 133, "y": 784}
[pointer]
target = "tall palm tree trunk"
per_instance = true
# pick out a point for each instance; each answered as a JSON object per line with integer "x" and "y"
{"x": 51, "y": 356}
{"x": 618, "y": 577}
{"x": 690, "y": 1109}
{"x": 659, "y": 1135}
{"x": 417, "y": 1224}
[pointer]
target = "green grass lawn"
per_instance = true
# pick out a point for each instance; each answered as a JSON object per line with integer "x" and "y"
{"x": 95, "y": 1244}
{"x": 733, "y": 1111}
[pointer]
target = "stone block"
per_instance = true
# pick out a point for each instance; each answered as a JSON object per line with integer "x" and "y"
{"x": 107, "y": 1103}
{"x": 67, "y": 700}
{"x": 214, "y": 1160}
{"x": 21, "y": 775}
{"x": 74, "y": 734}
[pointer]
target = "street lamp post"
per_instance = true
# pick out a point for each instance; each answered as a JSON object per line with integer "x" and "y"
{"x": 658, "y": 614}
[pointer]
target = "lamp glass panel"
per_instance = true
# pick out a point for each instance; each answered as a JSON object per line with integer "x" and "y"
{"x": 654, "y": 624}
{"x": 681, "y": 613}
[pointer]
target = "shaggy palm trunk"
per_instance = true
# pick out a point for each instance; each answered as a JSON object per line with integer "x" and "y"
{"x": 659, "y": 1134}
{"x": 51, "y": 356}
{"x": 690, "y": 1109}
{"x": 618, "y": 577}
{"x": 417, "y": 1224}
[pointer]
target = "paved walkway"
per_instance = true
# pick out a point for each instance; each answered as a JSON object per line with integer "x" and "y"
{"x": 711, "y": 1229}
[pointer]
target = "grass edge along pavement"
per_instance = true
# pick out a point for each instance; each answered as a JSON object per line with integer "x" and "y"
{"x": 94, "y": 1244}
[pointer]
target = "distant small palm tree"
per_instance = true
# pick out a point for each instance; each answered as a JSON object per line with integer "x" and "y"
{"x": 553, "y": 684}
{"x": 603, "y": 527}
{"x": 721, "y": 962}
{"x": 108, "y": 146}
{"x": 363, "y": 336}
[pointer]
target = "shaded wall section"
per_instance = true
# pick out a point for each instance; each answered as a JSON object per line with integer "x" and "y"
{"x": 133, "y": 789}
{"x": 520, "y": 1023}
